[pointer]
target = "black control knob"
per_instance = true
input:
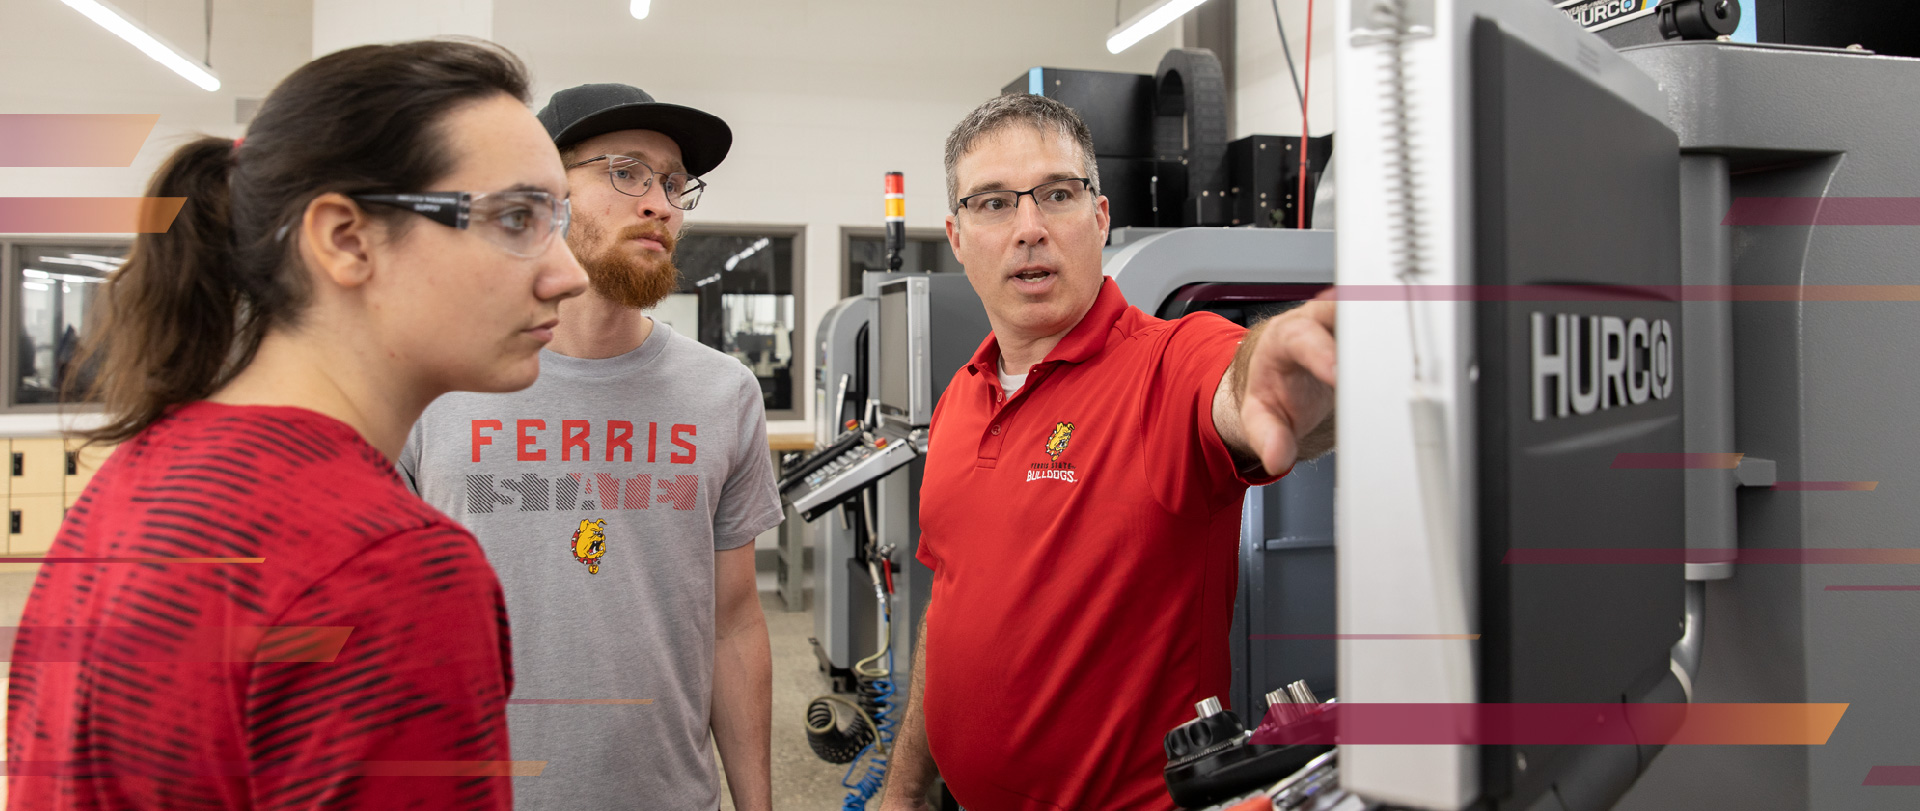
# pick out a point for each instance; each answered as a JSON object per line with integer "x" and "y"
{"x": 1699, "y": 19}
{"x": 1213, "y": 726}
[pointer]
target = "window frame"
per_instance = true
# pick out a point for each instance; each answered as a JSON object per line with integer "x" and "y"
{"x": 11, "y": 267}
{"x": 10, "y": 272}
{"x": 799, "y": 368}
{"x": 843, "y": 273}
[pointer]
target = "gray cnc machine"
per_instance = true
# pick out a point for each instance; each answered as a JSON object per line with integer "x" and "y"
{"x": 1578, "y": 279}
{"x": 840, "y": 591}
{"x": 897, "y": 345}
{"x": 1797, "y": 186}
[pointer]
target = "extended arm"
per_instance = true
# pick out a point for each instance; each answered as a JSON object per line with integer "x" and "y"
{"x": 910, "y": 768}
{"x": 1274, "y": 404}
{"x": 742, "y": 718}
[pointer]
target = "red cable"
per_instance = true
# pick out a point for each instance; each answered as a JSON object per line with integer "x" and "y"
{"x": 1306, "y": 88}
{"x": 888, "y": 568}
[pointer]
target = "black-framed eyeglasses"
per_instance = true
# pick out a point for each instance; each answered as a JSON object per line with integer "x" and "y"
{"x": 521, "y": 222}
{"x": 633, "y": 178}
{"x": 1053, "y": 197}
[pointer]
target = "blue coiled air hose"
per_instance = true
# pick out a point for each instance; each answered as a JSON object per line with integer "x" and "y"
{"x": 880, "y": 692}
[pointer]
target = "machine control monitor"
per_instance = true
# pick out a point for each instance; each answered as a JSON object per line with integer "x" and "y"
{"x": 905, "y": 390}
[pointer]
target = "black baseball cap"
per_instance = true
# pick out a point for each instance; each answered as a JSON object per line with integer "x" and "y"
{"x": 578, "y": 113}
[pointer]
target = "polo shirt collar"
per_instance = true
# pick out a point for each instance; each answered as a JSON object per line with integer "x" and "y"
{"x": 1087, "y": 338}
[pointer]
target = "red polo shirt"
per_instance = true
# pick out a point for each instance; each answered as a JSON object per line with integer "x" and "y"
{"x": 1083, "y": 537}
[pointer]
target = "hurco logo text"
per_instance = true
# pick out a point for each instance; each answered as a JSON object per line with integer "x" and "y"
{"x": 1597, "y": 14}
{"x": 1586, "y": 363}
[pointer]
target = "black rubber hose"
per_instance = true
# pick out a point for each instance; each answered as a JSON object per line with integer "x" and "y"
{"x": 837, "y": 736}
{"x": 1190, "y": 126}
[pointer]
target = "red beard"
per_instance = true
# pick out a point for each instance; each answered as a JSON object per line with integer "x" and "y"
{"x": 617, "y": 274}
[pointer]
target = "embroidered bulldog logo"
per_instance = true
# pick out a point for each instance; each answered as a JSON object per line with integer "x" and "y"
{"x": 1055, "y": 470}
{"x": 1057, "y": 443}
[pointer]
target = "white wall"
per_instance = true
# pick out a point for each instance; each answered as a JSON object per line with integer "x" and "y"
{"x": 342, "y": 24}
{"x": 57, "y": 61}
{"x": 824, "y": 96}
{"x": 1264, "y": 100}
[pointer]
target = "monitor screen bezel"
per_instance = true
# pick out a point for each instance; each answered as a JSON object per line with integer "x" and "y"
{"x": 917, "y": 409}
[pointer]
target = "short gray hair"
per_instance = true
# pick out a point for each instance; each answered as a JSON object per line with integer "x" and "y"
{"x": 1039, "y": 112}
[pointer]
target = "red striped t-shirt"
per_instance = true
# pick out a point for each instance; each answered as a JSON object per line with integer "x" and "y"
{"x": 163, "y": 684}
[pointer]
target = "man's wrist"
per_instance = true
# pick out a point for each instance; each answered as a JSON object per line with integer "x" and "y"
{"x": 896, "y": 797}
{"x": 1240, "y": 368}
{"x": 906, "y": 782}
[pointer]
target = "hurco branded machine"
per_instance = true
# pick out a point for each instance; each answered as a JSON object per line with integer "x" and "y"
{"x": 1505, "y": 363}
{"x": 1619, "y": 374}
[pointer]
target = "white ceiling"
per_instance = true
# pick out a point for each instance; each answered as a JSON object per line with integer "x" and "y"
{"x": 760, "y": 63}
{"x": 77, "y": 66}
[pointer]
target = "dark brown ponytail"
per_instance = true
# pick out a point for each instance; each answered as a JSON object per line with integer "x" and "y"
{"x": 166, "y": 324}
{"x": 191, "y": 306}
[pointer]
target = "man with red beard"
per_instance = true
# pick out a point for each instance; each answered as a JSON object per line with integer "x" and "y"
{"x": 624, "y": 667}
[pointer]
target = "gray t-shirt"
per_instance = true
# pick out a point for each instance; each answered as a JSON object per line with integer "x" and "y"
{"x": 600, "y": 495}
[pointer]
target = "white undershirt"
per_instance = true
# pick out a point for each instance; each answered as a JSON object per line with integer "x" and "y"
{"x": 1009, "y": 383}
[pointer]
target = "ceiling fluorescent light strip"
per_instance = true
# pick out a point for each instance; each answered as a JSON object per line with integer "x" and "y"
{"x": 124, "y": 27}
{"x": 47, "y": 275}
{"x": 1150, "y": 19}
{"x": 639, "y": 8}
{"x": 85, "y": 263}
{"x": 735, "y": 260}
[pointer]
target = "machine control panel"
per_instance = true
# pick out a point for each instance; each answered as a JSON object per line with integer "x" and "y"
{"x": 837, "y": 473}
{"x": 1215, "y": 756}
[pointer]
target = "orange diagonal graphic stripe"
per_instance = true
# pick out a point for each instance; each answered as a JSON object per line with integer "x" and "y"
{"x": 73, "y": 140}
{"x": 1827, "y": 486}
{"x": 1611, "y": 723}
{"x": 88, "y": 215}
{"x": 1756, "y": 724}
{"x": 1677, "y": 461}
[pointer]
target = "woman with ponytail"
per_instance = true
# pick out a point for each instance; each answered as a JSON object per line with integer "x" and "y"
{"x": 247, "y": 608}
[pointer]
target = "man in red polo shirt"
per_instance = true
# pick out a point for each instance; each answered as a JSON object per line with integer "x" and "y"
{"x": 1081, "y": 504}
